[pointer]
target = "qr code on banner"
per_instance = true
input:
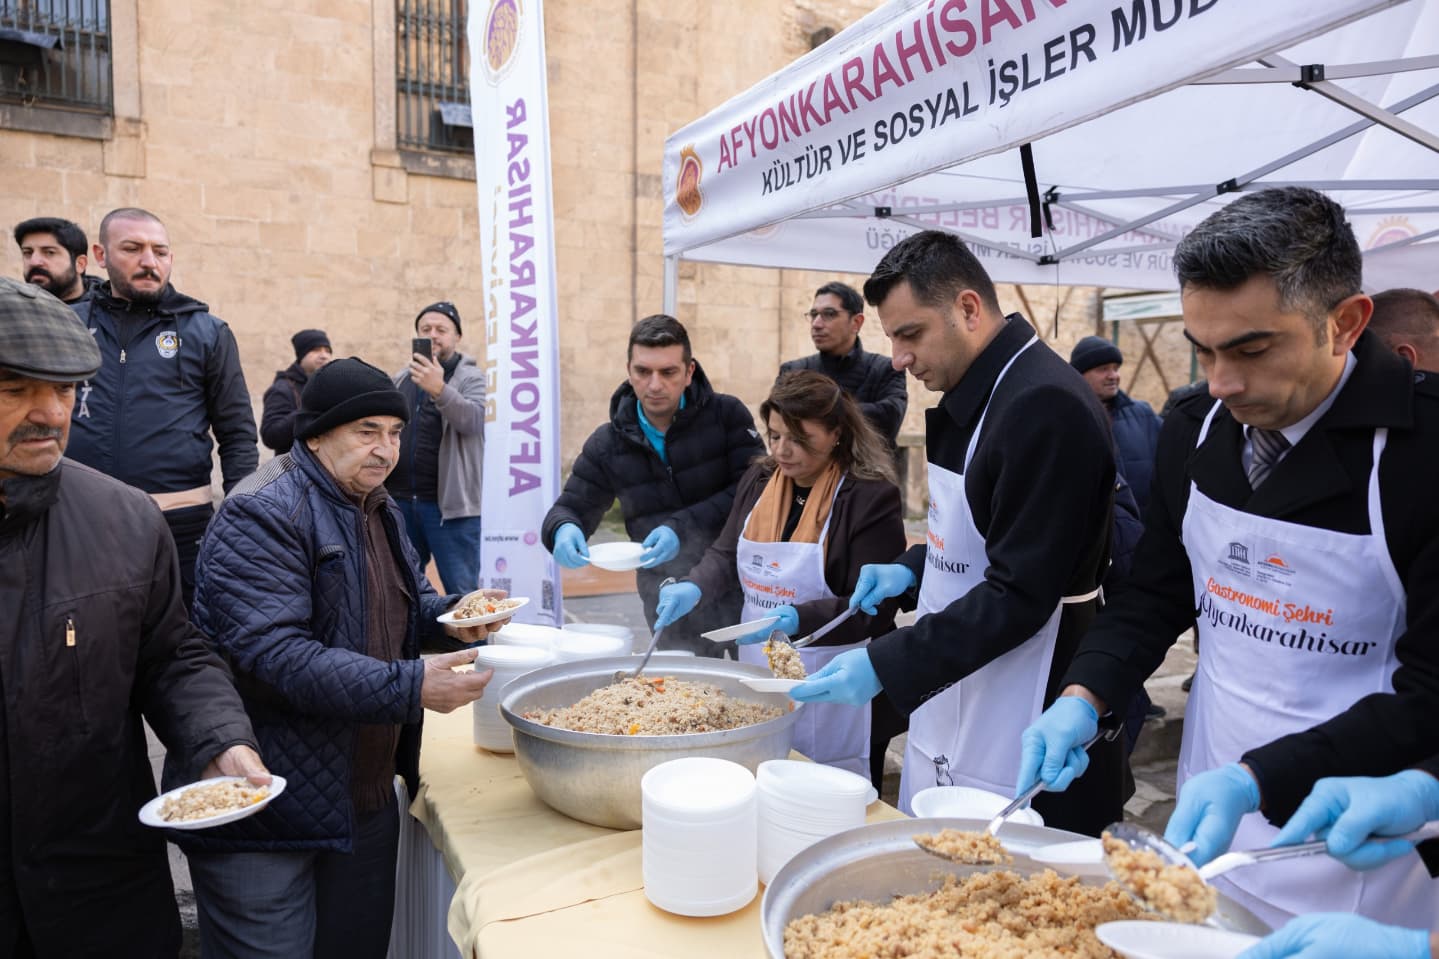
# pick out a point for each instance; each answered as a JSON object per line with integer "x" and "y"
{"x": 502, "y": 582}
{"x": 547, "y": 596}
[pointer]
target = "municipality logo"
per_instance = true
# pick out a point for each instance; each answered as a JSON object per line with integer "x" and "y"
{"x": 168, "y": 344}
{"x": 688, "y": 195}
{"x": 501, "y": 38}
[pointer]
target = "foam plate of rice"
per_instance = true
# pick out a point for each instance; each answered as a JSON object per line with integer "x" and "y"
{"x": 209, "y": 802}
{"x": 476, "y": 609}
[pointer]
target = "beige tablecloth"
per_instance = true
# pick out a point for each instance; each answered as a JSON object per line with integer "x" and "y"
{"x": 533, "y": 883}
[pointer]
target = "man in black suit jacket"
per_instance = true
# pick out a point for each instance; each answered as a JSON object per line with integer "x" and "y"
{"x": 1316, "y": 438}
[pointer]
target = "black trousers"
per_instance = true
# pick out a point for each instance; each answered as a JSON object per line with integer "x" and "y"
{"x": 187, "y": 527}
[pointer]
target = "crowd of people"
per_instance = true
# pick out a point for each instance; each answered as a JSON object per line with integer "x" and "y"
{"x": 1283, "y": 511}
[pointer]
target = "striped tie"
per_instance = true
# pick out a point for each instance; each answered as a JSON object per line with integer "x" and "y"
{"x": 1266, "y": 446}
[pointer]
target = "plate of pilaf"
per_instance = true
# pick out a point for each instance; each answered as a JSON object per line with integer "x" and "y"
{"x": 209, "y": 802}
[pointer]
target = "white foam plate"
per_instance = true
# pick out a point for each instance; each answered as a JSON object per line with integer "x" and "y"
{"x": 1172, "y": 940}
{"x": 616, "y": 557}
{"x": 449, "y": 618}
{"x": 770, "y": 684}
{"x": 966, "y": 802}
{"x": 150, "y": 812}
{"x": 1083, "y": 857}
{"x": 727, "y": 633}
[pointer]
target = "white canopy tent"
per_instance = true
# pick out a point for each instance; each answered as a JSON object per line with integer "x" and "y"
{"x": 1143, "y": 117}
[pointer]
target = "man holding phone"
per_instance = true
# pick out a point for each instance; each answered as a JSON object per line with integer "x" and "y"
{"x": 437, "y": 479}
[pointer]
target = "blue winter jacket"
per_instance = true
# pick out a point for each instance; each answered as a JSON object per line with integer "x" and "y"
{"x": 280, "y": 589}
{"x": 171, "y": 376}
{"x": 1136, "y": 437}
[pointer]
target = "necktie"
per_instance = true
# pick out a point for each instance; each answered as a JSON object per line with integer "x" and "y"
{"x": 1266, "y": 446}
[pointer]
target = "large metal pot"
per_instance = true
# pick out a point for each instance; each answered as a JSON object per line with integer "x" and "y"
{"x": 880, "y": 861}
{"x": 596, "y": 778}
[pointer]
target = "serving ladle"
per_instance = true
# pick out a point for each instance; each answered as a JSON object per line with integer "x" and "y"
{"x": 622, "y": 675}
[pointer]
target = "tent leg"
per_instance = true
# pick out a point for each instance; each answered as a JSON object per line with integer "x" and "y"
{"x": 671, "y": 287}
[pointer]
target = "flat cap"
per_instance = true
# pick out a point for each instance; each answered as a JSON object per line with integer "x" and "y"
{"x": 42, "y": 338}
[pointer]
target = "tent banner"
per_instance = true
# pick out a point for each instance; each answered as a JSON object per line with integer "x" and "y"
{"x": 510, "y": 106}
{"x": 921, "y": 85}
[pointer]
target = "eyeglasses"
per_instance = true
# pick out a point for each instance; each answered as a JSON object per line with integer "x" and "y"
{"x": 829, "y": 313}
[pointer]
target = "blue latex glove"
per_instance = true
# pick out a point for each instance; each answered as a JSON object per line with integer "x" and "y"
{"x": 661, "y": 546}
{"x": 1209, "y": 809}
{"x": 788, "y": 624}
{"x": 675, "y": 602}
{"x": 1337, "y": 935}
{"x": 848, "y": 678}
{"x": 1347, "y": 812}
{"x": 570, "y": 550}
{"x": 1052, "y": 748}
{"x": 878, "y": 582}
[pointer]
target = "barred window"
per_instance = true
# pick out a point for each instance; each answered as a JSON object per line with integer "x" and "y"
{"x": 432, "y": 82}
{"x": 56, "y": 53}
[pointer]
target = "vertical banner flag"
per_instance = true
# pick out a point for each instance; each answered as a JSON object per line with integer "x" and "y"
{"x": 510, "y": 107}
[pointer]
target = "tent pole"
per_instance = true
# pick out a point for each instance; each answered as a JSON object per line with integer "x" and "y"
{"x": 671, "y": 285}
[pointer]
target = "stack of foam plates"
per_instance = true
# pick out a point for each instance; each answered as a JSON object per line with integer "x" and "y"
{"x": 604, "y": 629}
{"x": 571, "y": 646}
{"x": 699, "y": 835}
{"x": 509, "y": 663}
{"x": 526, "y": 634}
{"x": 801, "y": 803}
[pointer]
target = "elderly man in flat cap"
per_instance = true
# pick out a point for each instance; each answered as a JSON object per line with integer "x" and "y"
{"x": 93, "y": 635}
{"x": 309, "y": 587}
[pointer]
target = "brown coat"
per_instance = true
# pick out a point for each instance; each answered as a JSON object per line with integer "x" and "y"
{"x": 866, "y": 526}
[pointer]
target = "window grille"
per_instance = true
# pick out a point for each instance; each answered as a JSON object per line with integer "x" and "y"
{"x": 56, "y": 53}
{"x": 432, "y": 82}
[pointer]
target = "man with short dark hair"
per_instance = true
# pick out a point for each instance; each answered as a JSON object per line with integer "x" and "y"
{"x": 171, "y": 379}
{"x": 310, "y": 590}
{"x": 1021, "y": 486}
{"x": 93, "y": 639}
{"x": 53, "y": 257}
{"x": 1134, "y": 423}
{"x": 1293, "y": 516}
{"x": 438, "y": 476}
{"x": 835, "y": 319}
{"x": 1408, "y": 323}
{"x": 672, "y": 453}
{"x": 282, "y": 399}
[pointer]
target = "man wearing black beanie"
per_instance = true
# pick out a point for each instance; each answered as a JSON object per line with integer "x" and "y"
{"x": 1134, "y": 422}
{"x": 308, "y": 586}
{"x": 282, "y": 399}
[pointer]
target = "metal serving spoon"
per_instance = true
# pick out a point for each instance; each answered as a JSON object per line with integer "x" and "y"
{"x": 621, "y": 675}
{"x": 825, "y": 629}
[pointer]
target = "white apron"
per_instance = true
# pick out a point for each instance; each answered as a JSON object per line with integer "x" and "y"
{"x": 968, "y": 735}
{"x": 788, "y": 574}
{"x": 1295, "y": 624}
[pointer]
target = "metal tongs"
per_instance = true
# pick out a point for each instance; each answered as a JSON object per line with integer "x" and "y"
{"x": 1023, "y": 798}
{"x": 824, "y": 630}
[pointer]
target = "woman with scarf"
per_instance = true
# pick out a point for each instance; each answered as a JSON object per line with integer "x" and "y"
{"x": 805, "y": 519}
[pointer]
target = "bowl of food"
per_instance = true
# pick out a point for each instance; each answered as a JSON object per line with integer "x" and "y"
{"x": 584, "y": 740}
{"x": 843, "y": 894}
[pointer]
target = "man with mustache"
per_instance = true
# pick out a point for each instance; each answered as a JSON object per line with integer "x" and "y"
{"x": 52, "y": 256}
{"x": 310, "y": 589}
{"x": 93, "y": 637}
{"x": 171, "y": 379}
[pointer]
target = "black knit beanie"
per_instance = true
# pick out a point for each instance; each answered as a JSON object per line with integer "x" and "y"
{"x": 1094, "y": 351}
{"x": 444, "y": 308}
{"x": 307, "y": 340}
{"x": 343, "y": 391}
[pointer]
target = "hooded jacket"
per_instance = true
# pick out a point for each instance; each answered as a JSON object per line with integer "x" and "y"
{"x": 281, "y": 402}
{"x": 710, "y": 444}
{"x": 95, "y": 636}
{"x": 171, "y": 377}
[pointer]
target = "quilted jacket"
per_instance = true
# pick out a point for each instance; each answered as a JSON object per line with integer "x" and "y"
{"x": 1136, "y": 437}
{"x": 280, "y": 589}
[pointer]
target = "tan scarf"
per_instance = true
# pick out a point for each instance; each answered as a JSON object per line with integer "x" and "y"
{"x": 766, "y": 520}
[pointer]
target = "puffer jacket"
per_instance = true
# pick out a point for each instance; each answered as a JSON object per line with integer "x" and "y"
{"x": 1136, "y": 437}
{"x": 81, "y": 549}
{"x": 710, "y": 444}
{"x": 171, "y": 376}
{"x": 280, "y": 589}
{"x": 281, "y": 403}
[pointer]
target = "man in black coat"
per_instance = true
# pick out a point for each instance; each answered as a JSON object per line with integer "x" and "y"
{"x": 1021, "y": 483}
{"x": 672, "y": 453}
{"x": 834, "y": 323}
{"x": 1293, "y": 514}
{"x": 282, "y": 399}
{"x": 93, "y": 637}
{"x": 1135, "y": 424}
